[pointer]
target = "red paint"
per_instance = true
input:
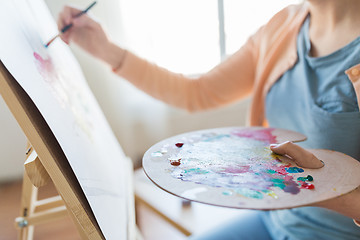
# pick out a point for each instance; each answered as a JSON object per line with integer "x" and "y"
{"x": 263, "y": 135}
{"x": 305, "y": 185}
{"x": 175, "y": 162}
{"x": 179, "y": 145}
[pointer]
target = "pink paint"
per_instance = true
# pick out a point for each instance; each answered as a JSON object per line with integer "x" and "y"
{"x": 263, "y": 135}
{"x": 45, "y": 68}
{"x": 281, "y": 169}
{"x": 268, "y": 173}
{"x": 44, "y": 64}
{"x": 241, "y": 169}
{"x": 288, "y": 178}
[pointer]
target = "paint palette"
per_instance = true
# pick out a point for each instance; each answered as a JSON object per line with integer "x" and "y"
{"x": 234, "y": 167}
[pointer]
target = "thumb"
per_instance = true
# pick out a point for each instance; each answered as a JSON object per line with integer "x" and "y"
{"x": 301, "y": 157}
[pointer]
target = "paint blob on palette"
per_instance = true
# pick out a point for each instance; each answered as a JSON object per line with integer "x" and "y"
{"x": 234, "y": 167}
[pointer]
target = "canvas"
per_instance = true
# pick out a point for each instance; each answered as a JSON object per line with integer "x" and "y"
{"x": 54, "y": 81}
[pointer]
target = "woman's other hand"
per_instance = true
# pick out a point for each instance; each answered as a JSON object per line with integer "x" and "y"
{"x": 301, "y": 157}
{"x": 347, "y": 204}
{"x": 85, "y": 32}
{"x": 89, "y": 35}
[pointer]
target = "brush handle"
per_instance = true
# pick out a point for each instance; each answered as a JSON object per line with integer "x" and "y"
{"x": 67, "y": 27}
{"x": 85, "y": 11}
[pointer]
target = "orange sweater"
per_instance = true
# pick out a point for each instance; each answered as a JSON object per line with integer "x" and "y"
{"x": 252, "y": 70}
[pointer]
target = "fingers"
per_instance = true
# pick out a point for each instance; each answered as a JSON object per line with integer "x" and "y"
{"x": 65, "y": 18}
{"x": 302, "y": 157}
{"x": 84, "y": 31}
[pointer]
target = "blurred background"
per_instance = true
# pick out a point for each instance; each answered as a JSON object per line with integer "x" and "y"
{"x": 185, "y": 36}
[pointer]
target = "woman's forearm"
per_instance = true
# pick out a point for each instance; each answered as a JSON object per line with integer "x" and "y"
{"x": 228, "y": 82}
{"x": 348, "y": 204}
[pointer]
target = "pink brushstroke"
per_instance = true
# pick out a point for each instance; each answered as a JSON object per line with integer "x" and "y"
{"x": 45, "y": 68}
{"x": 280, "y": 169}
{"x": 264, "y": 135}
{"x": 241, "y": 169}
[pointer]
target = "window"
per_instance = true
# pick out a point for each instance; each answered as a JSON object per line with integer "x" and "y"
{"x": 243, "y": 18}
{"x": 191, "y": 36}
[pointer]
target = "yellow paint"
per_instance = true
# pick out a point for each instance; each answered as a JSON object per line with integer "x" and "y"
{"x": 272, "y": 194}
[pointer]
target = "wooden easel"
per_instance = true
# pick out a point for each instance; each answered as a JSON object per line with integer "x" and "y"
{"x": 45, "y": 160}
{"x": 34, "y": 211}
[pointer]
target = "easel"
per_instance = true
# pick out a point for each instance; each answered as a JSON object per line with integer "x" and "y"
{"x": 34, "y": 211}
{"x": 45, "y": 160}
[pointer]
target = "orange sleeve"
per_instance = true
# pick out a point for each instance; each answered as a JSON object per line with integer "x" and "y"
{"x": 231, "y": 80}
{"x": 357, "y": 223}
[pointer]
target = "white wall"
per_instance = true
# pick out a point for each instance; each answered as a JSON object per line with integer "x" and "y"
{"x": 12, "y": 146}
{"x": 138, "y": 122}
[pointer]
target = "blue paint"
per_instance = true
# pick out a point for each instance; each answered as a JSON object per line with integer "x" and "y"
{"x": 294, "y": 170}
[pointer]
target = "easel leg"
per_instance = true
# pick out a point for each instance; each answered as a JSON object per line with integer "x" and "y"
{"x": 34, "y": 211}
{"x": 29, "y": 197}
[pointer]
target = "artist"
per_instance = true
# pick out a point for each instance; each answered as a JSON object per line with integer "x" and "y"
{"x": 302, "y": 70}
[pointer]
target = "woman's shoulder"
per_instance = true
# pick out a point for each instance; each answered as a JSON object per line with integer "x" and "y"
{"x": 293, "y": 10}
{"x": 287, "y": 18}
{"x": 281, "y": 29}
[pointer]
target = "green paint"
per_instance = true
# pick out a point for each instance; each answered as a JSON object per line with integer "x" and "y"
{"x": 156, "y": 154}
{"x": 308, "y": 178}
{"x": 294, "y": 170}
{"x": 249, "y": 193}
{"x": 227, "y": 193}
{"x": 195, "y": 170}
{"x": 271, "y": 171}
{"x": 277, "y": 180}
{"x": 278, "y": 183}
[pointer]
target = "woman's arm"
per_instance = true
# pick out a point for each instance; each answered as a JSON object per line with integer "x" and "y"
{"x": 225, "y": 83}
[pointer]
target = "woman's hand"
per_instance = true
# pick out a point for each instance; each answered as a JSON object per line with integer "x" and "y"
{"x": 85, "y": 32}
{"x": 89, "y": 35}
{"x": 299, "y": 155}
{"x": 348, "y": 204}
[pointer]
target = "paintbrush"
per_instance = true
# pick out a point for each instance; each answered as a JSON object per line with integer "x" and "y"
{"x": 67, "y": 27}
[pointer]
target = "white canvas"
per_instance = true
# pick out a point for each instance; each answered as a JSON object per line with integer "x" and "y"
{"x": 54, "y": 81}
